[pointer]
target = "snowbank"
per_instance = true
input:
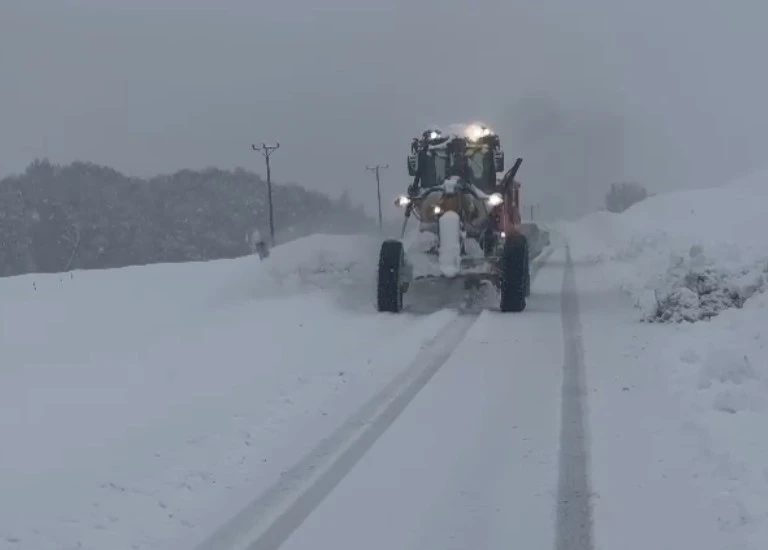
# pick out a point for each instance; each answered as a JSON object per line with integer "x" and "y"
{"x": 682, "y": 256}
{"x": 342, "y": 265}
{"x": 140, "y": 407}
{"x": 701, "y": 256}
{"x": 718, "y": 373}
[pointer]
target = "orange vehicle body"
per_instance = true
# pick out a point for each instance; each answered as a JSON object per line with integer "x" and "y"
{"x": 507, "y": 215}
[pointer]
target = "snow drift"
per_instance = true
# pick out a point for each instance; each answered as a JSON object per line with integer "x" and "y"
{"x": 682, "y": 256}
{"x": 698, "y": 259}
{"x": 342, "y": 265}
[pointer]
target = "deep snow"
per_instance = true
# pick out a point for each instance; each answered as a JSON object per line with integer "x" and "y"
{"x": 715, "y": 234}
{"x": 141, "y": 407}
{"x": 713, "y": 373}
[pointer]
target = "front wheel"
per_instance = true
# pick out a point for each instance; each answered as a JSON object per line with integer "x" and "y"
{"x": 390, "y": 288}
{"x": 514, "y": 274}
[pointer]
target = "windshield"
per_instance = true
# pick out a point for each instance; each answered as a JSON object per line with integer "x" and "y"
{"x": 435, "y": 168}
{"x": 476, "y": 162}
{"x": 440, "y": 165}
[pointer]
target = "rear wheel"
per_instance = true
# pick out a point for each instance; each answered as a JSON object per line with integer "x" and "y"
{"x": 390, "y": 290}
{"x": 514, "y": 274}
{"x": 527, "y": 270}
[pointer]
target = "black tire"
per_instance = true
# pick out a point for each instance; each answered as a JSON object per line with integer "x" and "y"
{"x": 527, "y": 269}
{"x": 389, "y": 288}
{"x": 514, "y": 270}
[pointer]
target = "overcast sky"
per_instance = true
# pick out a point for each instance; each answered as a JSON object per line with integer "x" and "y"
{"x": 669, "y": 92}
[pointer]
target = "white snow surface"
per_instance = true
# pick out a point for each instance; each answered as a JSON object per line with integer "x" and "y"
{"x": 718, "y": 233}
{"x": 472, "y": 461}
{"x": 711, "y": 374}
{"x": 141, "y": 407}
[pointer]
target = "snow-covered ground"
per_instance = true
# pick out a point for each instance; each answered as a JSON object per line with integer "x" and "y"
{"x": 717, "y": 235}
{"x": 702, "y": 256}
{"x": 472, "y": 462}
{"x": 141, "y": 407}
{"x": 144, "y": 407}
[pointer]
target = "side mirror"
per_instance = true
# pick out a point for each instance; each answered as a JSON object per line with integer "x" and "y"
{"x": 498, "y": 161}
{"x": 413, "y": 164}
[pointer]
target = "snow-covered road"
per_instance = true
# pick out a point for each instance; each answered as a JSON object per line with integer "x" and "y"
{"x": 245, "y": 405}
{"x": 471, "y": 462}
{"x": 542, "y": 429}
{"x": 141, "y": 407}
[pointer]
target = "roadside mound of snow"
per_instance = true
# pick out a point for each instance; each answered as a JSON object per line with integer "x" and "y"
{"x": 720, "y": 375}
{"x": 696, "y": 288}
{"x": 322, "y": 261}
{"x": 682, "y": 256}
{"x": 344, "y": 265}
{"x": 693, "y": 256}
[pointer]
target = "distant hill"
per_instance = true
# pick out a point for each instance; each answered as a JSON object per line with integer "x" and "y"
{"x": 84, "y": 216}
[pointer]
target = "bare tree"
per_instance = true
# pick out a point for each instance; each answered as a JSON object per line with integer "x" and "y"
{"x": 73, "y": 240}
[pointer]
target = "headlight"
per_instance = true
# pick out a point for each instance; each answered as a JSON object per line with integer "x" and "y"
{"x": 495, "y": 199}
{"x": 402, "y": 200}
{"x": 431, "y": 134}
{"x": 437, "y": 209}
{"x": 476, "y": 131}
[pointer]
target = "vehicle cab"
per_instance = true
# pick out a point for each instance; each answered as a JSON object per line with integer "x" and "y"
{"x": 475, "y": 157}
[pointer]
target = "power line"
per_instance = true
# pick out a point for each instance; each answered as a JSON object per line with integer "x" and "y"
{"x": 267, "y": 151}
{"x": 375, "y": 169}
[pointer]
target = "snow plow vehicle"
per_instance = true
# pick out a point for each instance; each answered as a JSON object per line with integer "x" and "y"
{"x": 469, "y": 221}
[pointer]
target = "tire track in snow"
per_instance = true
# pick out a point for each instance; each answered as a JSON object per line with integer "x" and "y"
{"x": 268, "y": 521}
{"x": 574, "y": 513}
{"x": 271, "y": 518}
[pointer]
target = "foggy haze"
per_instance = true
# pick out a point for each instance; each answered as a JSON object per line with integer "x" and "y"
{"x": 665, "y": 92}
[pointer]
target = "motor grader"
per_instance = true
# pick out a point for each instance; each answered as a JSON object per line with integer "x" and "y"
{"x": 468, "y": 211}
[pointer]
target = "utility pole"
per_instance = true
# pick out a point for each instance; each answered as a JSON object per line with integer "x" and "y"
{"x": 375, "y": 169}
{"x": 267, "y": 151}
